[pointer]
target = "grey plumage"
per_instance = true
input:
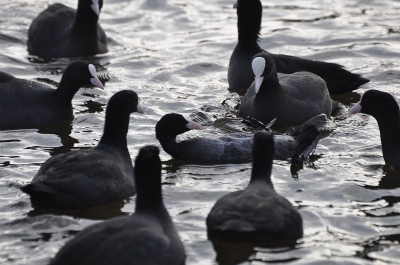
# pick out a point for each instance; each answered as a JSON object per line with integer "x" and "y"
{"x": 233, "y": 148}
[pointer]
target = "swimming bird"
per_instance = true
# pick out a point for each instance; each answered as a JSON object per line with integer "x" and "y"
{"x": 28, "y": 104}
{"x": 240, "y": 76}
{"x": 147, "y": 237}
{"x": 290, "y": 98}
{"x": 233, "y": 148}
{"x": 384, "y": 108}
{"x": 61, "y": 31}
{"x": 90, "y": 177}
{"x": 257, "y": 214}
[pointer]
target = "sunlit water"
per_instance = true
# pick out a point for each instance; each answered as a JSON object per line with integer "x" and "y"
{"x": 175, "y": 55}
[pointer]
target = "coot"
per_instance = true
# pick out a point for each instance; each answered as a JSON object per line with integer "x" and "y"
{"x": 28, "y": 104}
{"x": 90, "y": 177}
{"x": 240, "y": 76}
{"x": 60, "y": 31}
{"x": 384, "y": 108}
{"x": 233, "y": 148}
{"x": 258, "y": 213}
{"x": 290, "y": 98}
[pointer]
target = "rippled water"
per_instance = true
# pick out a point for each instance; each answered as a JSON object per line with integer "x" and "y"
{"x": 174, "y": 55}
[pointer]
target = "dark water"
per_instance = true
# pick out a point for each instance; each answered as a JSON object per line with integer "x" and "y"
{"x": 175, "y": 55}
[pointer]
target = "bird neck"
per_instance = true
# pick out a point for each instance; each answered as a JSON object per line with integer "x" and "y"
{"x": 149, "y": 198}
{"x": 249, "y": 22}
{"x": 66, "y": 90}
{"x": 86, "y": 21}
{"x": 261, "y": 171}
{"x": 115, "y": 128}
{"x": 270, "y": 86}
{"x": 168, "y": 143}
{"x": 389, "y": 127}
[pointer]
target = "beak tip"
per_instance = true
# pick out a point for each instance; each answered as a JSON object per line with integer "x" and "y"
{"x": 194, "y": 126}
{"x": 355, "y": 109}
{"x": 96, "y": 82}
{"x": 139, "y": 109}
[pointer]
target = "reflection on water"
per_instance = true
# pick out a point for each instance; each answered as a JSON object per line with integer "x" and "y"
{"x": 231, "y": 253}
{"x": 389, "y": 180}
{"x": 100, "y": 212}
{"x": 175, "y": 54}
{"x": 62, "y": 130}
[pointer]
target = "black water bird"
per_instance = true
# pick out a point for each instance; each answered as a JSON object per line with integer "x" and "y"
{"x": 384, "y": 108}
{"x": 240, "y": 76}
{"x": 233, "y": 148}
{"x": 60, "y": 31}
{"x": 100, "y": 175}
{"x": 290, "y": 98}
{"x": 147, "y": 237}
{"x": 28, "y": 104}
{"x": 258, "y": 213}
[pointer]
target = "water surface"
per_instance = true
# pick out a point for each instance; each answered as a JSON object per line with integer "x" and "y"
{"x": 175, "y": 55}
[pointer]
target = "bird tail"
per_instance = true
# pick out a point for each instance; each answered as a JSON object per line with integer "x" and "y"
{"x": 40, "y": 196}
{"x": 27, "y": 189}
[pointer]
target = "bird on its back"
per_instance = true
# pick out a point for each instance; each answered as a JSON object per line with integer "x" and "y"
{"x": 231, "y": 148}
